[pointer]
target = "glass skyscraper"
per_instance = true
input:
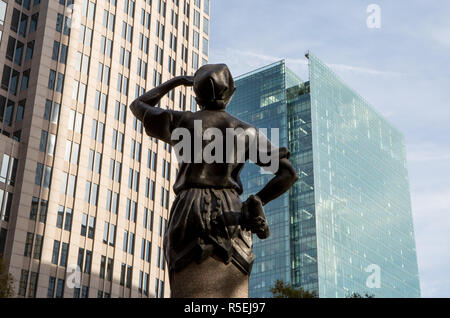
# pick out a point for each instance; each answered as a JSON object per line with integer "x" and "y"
{"x": 346, "y": 226}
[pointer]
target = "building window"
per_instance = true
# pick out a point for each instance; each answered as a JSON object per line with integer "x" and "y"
{"x": 161, "y": 289}
{"x": 29, "y": 51}
{"x": 64, "y": 183}
{"x": 149, "y": 219}
{"x": 143, "y": 249}
{"x": 51, "y": 80}
{"x": 156, "y": 287}
{"x": 129, "y": 276}
{"x": 64, "y": 254}
{"x": 28, "y": 245}
{"x": 152, "y": 190}
{"x": 63, "y": 55}
{"x": 91, "y": 228}
{"x": 131, "y": 244}
{"x": 115, "y": 204}
{"x": 206, "y": 6}
{"x": 105, "y": 232}
{"x": 47, "y": 177}
{"x": 34, "y": 208}
{"x": 71, "y": 184}
{"x": 55, "y": 53}
{"x": 141, "y": 278}
{"x": 205, "y": 26}
{"x": 80, "y": 258}
{"x": 94, "y": 197}
{"x": 8, "y": 176}
{"x": 38, "y": 247}
{"x": 88, "y": 262}
{"x": 84, "y": 218}
{"x": 43, "y": 211}
{"x": 23, "y": 282}
{"x": 6, "y": 210}
{"x": 23, "y": 24}
{"x": 60, "y": 217}
{"x": 112, "y": 235}
{"x": 55, "y": 253}
{"x": 101, "y": 101}
{"x": 39, "y": 172}
{"x": 43, "y": 142}
{"x": 33, "y": 284}
{"x": 51, "y": 287}
{"x": 3, "y": 6}
{"x": 196, "y": 39}
{"x": 91, "y": 160}
{"x": 55, "y": 113}
{"x": 60, "y": 288}
{"x": 125, "y": 241}
{"x": 195, "y": 60}
{"x": 205, "y": 47}
{"x": 68, "y": 222}
{"x": 19, "y": 53}
{"x": 122, "y": 274}
{"x": 158, "y": 258}
{"x": 60, "y": 83}
{"x": 84, "y": 291}
{"x": 196, "y": 18}
{"x": 109, "y": 269}
{"x": 51, "y": 144}
{"x": 98, "y": 162}
{"x": 149, "y": 251}
{"x": 146, "y": 282}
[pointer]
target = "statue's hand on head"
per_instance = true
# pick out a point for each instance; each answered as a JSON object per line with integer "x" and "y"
{"x": 186, "y": 80}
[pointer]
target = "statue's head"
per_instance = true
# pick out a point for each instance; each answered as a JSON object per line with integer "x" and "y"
{"x": 213, "y": 86}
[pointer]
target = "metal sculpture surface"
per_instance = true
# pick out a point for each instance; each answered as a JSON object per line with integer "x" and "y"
{"x": 208, "y": 242}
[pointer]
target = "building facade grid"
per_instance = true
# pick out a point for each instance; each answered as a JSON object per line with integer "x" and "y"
{"x": 75, "y": 162}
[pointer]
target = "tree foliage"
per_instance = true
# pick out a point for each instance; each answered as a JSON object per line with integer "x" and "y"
{"x": 283, "y": 290}
{"x": 357, "y": 295}
{"x": 6, "y": 281}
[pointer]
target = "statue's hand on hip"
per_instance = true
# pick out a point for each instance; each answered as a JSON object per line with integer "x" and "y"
{"x": 254, "y": 218}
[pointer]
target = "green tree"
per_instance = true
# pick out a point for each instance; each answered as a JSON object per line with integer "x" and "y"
{"x": 6, "y": 281}
{"x": 283, "y": 290}
{"x": 357, "y": 295}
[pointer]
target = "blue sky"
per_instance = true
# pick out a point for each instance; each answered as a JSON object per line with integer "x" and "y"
{"x": 402, "y": 69}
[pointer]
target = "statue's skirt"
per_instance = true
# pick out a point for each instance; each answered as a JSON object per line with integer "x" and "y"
{"x": 204, "y": 235}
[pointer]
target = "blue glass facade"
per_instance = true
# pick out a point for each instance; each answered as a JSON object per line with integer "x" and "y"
{"x": 350, "y": 210}
{"x": 301, "y": 196}
{"x": 261, "y": 100}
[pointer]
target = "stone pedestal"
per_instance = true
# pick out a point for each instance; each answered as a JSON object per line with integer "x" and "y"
{"x": 210, "y": 279}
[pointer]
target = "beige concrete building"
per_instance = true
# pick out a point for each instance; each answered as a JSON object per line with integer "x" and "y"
{"x": 84, "y": 192}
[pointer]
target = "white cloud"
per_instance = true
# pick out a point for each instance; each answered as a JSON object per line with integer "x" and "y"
{"x": 427, "y": 152}
{"x": 244, "y": 57}
{"x": 362, "y": 70}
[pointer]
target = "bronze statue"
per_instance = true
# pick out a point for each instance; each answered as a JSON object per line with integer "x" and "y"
{"x": 208, "y": 242}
